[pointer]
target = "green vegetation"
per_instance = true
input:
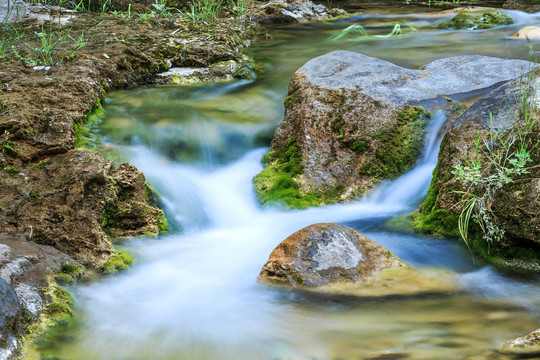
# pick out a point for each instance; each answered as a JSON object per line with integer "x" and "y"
{"x": 86, "y": 131}
{"x": 119, "y": 262}
{"x": 359, "y": 29}
{"x": 473, "y": 21}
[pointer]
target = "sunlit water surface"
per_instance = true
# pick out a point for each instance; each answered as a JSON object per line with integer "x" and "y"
{"x": 193, "y": 294}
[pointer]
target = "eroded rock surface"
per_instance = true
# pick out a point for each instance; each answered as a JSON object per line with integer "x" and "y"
{"x": 287, "y": 12}
{"x": 321, "y": 254}
{"x": 526, "y": 346}
{"x": 352, "y": 120}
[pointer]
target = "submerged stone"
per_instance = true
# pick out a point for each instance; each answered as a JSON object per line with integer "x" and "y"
{"x": 321, "y": 254}
{"x": 473, "y": 21}
{"x": 528, "y": 32}
{"x": 526, "y": 346}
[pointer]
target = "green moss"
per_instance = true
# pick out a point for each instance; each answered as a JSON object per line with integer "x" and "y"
{"x": 119, "y": 262}
{"x": 86, "y": 131}
{"x": 63, "y": 296}
{"x": 473, "y": 21}
{"x": 399, "y": 147}
{"x": 277, "y": 184}
{"x": 72, "y": 270}
{"x": 161, "y": 222}
{"x": 65, "y": 279}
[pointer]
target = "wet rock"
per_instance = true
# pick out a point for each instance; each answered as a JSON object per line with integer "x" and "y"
{"x": 321, "y": 254}
{"x": 352, "y": 120}
{"x": 527, "y": 346}
{"x": 75, "y": 201}
{"x": 287, "y": 12}
{"x": 528, "y": 32}
{"x": 515, "y": 208}
{"x": 10, "y": 311}
{"x": 473, "y": 21}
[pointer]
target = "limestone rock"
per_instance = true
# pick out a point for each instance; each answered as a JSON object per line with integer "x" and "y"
{"x": 350, "y": 121}
{"x": 528, "y": 345}
{"x": 321, "y": 254}
{"x": 287, "y": 12}
{"x": 528, "y": 32}
{"x": 72, "y": 202}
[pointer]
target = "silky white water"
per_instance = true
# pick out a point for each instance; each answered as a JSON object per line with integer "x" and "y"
{"x": 193, "y": 294}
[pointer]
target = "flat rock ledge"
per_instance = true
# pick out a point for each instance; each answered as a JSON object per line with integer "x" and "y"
{"x": 322, "y": 254}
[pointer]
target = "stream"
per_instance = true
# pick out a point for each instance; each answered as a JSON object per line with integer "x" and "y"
{"x": 193, "y": 294}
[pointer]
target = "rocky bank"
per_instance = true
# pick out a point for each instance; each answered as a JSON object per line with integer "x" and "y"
{"x": 495, "y": 130}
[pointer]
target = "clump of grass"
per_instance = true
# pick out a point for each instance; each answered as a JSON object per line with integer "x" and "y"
{"x": 499, "y": 159}
{"x": 359, "y": 29}
{"x": 204, "y": 10}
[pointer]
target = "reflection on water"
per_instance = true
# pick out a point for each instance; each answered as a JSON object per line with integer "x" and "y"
{"x": 193, "y": 294}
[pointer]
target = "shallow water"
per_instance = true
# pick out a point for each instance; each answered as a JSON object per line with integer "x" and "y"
{"x": 193, "y": 294}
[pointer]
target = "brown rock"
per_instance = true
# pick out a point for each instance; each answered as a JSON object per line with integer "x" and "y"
{"x": 321, "y": 254}
{"x": 72, "y": 202}
{"x": 528, "y": 32}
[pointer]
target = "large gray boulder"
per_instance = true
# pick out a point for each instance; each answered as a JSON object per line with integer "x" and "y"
{"x": 352, "y": 120}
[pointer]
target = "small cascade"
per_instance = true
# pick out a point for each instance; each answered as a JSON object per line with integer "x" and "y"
{"x": 411, "y": 188}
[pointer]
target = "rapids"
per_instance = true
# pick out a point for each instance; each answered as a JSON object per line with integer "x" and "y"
{"x": 193, "y": 294}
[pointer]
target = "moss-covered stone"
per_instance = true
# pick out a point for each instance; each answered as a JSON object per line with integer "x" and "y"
{"x": 119, "y": 262}
{"x": 398, "y": 149}
{"x": 474, "y": 21}
{"x": 278, "y": 184}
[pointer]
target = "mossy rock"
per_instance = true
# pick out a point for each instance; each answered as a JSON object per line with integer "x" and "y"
{"x": 475, "y": 21}
{"x": 119, "y": 262}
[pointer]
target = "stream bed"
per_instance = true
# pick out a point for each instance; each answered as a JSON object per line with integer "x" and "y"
{"x": 193, "y": 294}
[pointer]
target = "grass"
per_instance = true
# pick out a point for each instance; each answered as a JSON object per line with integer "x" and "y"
{"x": 363, "y": 35}
{"x": 499, "y": 159}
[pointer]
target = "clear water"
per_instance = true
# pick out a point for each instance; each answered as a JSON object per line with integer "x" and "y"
{"x": 193, "y": 294}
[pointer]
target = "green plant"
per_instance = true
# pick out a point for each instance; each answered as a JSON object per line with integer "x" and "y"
{"x": 240, "y": 7}
{"x": 359, "y": 29}
{"x": 498, "y": 160}
{"x": 203, "y": 10}
{"x": 6, "y": 143}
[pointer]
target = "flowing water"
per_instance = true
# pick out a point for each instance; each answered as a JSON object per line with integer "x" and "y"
{"x": 193, "y": 294}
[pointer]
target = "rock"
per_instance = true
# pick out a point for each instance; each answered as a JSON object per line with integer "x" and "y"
{"x": 348, "y": 123}
{"x": 10, "y": 309}
{"x": 528, "y": 32}
{"x": 321, "y": 254}
{"x": 528, "y": 345}
{"x": 474, "y": 21}
{"x": 287, "y": 12}
{"x": 515, "y": 208}
{"x": 75, "y": 201}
